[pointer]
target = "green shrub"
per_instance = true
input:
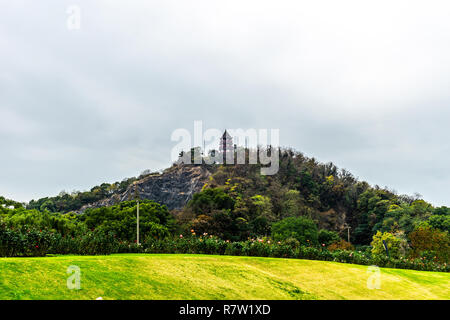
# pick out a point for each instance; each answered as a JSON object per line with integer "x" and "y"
{"x": 155, "y": 220}
{"x": 29, "y": 243}
{"x": 328, "y": 237}
{"x": 266, "y": 248}
{"x": 300, "y": 228}
{"x": 36, "y": 243}
{"x": 292, "y": 242}
{"x": 393, "y": 243}
{"x": 11, "y": 242}
{"x": 95, "y": 242}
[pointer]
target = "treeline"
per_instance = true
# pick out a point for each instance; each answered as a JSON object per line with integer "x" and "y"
{"x": 66, "y": 202}
{"x": 7, "y": 203}
{"x": 120, "y": 220}
{"x": 112, "y": 229}
{"x": 29, "y": 232}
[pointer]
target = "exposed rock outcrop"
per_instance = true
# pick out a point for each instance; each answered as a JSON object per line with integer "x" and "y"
{"x": 174, "y": 187}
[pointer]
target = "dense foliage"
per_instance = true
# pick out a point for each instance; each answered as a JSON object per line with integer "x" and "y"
{"x": 307, "y": 207}
{"x": 98, "y": 231}
{"x": 238, "y": 202}
{"x": 37, "y": 243}
{"x": 284, "y": 249}
{"x": 66, "y": 202}
{"x": 302, "y": 229}
{"x": 154, "y": 220}
{"x": 386, "y": 244}
{"x": 430, "y": 243}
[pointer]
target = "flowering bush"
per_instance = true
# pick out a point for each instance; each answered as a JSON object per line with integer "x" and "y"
{"x": 11, "y": 242}
{"x": 96, "y": 242}
{"x": 28, "y": 243}
{"x": 283, "y": 249}
{"x": 37, "y": 243}
{"x": 340, "y": 245}
{"x": 91, "y": 243}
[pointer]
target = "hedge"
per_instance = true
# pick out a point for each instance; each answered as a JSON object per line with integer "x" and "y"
{"x": 38, "y": 243}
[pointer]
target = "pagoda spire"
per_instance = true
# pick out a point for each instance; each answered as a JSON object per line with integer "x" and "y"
{"x": 226, "y": 145}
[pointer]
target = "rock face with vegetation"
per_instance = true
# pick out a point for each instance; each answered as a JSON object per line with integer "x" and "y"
{"x": 173, "y": 188}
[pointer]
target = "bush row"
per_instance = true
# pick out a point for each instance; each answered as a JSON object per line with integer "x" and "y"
{"x": 90, "y": 243}
{"x": 38, "y": 243}
{"x": 31, "y": 243}
{"x": 194, "y": 245}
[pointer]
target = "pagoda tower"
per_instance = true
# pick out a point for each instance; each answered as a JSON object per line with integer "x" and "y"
{"x": 226, "y": 146}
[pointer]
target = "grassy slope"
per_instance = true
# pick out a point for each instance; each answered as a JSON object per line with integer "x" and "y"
{"x": 209, "y": 277}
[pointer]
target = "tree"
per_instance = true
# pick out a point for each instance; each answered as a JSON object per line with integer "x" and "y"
{"x": 440, "y": 219}
{"x": 393, "y": 243}
{"x": 155, "y": 220}
{"x": 421, "y": 209}
{"x": 263, "y": 207}
{"x": 291, "y": 204}
{"x": 22, "y": 219}
{"x": 429, "y": 242}
{"x": 211, "y": 199}
{"x": 300, "y": 228}
{"x": 373, "y": 205}
{"x": 440, "y": 222}
{"x": 328, "y": 237}
{"x": 442, "y": 211}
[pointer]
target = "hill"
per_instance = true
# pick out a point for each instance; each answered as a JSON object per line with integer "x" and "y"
{"x": 243, "y": 203}
{"x": 210, "y": 277}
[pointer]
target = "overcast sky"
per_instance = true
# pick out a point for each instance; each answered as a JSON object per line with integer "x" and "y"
{"x": 364, "y": 84}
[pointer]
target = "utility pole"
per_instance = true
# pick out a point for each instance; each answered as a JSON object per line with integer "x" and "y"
{"x": 137, "y": 228}
{"x": 137, "y": 197}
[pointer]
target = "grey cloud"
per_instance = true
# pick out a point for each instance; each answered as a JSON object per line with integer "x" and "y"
{"x": 353, "y": 83}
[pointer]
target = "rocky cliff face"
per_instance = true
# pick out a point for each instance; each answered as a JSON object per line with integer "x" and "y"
{"x": 174, "y": 187}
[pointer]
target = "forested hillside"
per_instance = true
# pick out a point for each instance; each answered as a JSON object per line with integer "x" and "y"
{"x": 66, "y": 202}
{"x": 307, "y": 204}
{"x": 239, "y": 202}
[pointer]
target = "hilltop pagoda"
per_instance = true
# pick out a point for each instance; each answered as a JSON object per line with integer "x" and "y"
{"x": 226, "y": 146}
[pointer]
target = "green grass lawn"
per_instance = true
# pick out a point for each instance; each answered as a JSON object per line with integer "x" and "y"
{"x": 138, "y": 276}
